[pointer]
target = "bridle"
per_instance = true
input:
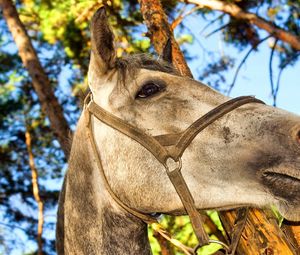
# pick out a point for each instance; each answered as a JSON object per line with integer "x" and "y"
{"x": 168, "y": 150}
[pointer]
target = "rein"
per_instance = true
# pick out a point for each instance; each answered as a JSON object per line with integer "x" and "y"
{"x": 168, "y": 150}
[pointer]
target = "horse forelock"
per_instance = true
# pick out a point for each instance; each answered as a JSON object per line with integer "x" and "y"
{"x": 130, "y": 64}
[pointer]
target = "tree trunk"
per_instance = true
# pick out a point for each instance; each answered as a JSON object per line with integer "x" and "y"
{"x": 292, "y": 231}
{"x": 159, "y": 32}
{"x": 236, "y": 12}
{"x": 261, "y": 235}
{"x": 40, "y": 81}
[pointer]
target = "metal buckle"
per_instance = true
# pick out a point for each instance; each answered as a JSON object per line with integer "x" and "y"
{"x": 224, "y": 245}
{"x": 172, "y": 165}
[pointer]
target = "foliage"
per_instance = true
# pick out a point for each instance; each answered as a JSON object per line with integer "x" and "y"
{"x": 60, "y": 33}
{"x": 180, "y": 229}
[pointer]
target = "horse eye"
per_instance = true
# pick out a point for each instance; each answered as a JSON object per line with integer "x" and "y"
{"x": 149, "y": 89}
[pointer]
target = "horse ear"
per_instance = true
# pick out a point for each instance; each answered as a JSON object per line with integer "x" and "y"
{"x": 102, "y": 41}
{"x": 167, "y": 52}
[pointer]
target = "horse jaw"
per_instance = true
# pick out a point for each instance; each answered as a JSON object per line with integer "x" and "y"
{"x": 89, "y": 220}
{"x": 222, "y": 166}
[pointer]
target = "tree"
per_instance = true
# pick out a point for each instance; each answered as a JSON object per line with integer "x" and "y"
{"x": 239, "y": 13}
{"x": 59, "y": 34}
{"x": 40, "y": 81}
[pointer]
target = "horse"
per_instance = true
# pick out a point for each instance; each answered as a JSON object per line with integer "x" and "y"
{"x": 236, "y": 154}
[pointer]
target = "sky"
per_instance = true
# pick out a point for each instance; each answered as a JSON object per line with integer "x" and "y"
{"x": 253, "y": 78}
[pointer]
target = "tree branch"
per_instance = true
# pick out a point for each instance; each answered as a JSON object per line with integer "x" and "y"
{"x": 211, "y": 23}
{"x": 181, "y": 16}
{"x": 216, "y": 30}
{"x": 160, "y": 31}
{"x": 236, "y": 12}
{"x": 167, "y": 236}
{"x": 242, "y": 63}
{"x": 261, "y": 234}
{"x": 281, "y": 69}
{"x": 40, "y": 80}
{"x": 163, "y": 243}
{"x": 273, "y": 89}
{"x": 35, "y": 189}
{"x": 213, "y": 229}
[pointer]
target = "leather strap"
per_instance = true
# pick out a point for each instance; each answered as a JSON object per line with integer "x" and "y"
{"x": 200, "y": 124}
{"x": 188, "y": 202}
{"x": 144, "y": 217}
{"x": 177, "y": 143}
{"x": 164, "y": 147}
{"x": 151, "y": 144}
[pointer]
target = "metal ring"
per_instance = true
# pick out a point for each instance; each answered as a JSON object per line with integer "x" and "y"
{"x": 224, "y": 245}
{"x": 176, "y": 168}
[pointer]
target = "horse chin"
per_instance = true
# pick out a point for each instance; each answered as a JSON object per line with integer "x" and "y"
{"x": 284, "y": 185}
{"x": 289, "y": 212}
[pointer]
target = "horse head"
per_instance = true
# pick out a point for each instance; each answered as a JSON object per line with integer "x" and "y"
{"x": 248, "y": 157}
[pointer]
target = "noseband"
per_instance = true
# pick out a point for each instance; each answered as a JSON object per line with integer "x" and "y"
{"x": 168, "y": 150}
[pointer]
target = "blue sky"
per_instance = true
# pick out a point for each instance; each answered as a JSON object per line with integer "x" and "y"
{"x": 253, "y": 78}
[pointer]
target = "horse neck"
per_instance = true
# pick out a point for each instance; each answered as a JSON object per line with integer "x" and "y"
{"x": 89, "y": 220}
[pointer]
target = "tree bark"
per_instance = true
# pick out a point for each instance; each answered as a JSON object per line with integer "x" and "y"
{"x": 40, "y": 80}
{"x": 292, "y": 231}
{"x": 160, "y": 31}
{"x": 261, "y": 235}
{"x": 236, "y": 12}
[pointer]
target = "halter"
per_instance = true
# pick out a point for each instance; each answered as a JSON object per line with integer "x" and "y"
{"x": 168, "y": 150}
